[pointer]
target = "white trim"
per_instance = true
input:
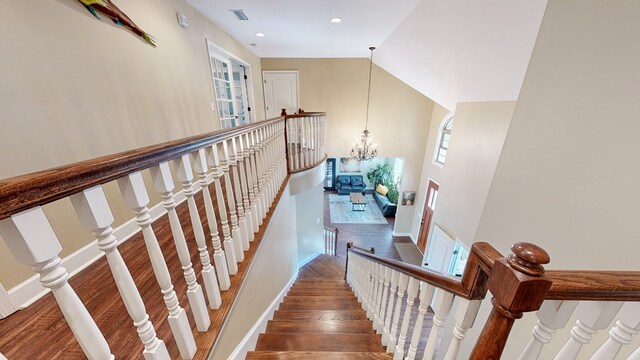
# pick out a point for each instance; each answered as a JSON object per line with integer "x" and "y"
{"x": 306, "y": 260}
{"x": 264, "y": 90}
{"x": 410, "y": 235}
{"x": 30, "y": 290}
{"x": 6, "y": 307}
{"x": 248, "y": 343}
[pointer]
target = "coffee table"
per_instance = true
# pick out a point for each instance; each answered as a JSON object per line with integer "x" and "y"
{"x": 358, "y": 203}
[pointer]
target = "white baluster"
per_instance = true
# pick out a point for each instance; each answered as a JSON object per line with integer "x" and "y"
{"x": 627, "y": 326}
{"x": 412, "y": 291}
{"x": 259, "y": 176}
{"x": 443, "y": 306}
{"x": 592, "y": 316}
{"x": 95, "y": 215}
{"x": 386, "y": 279}
{"x": 426, "y": 295}
{"x": 135, "y": 196}
{"x": 290, "y": 143}
{"x": 553, "y": 315}
{"x": 247, "y": 217}
{"x": 392, "y": 298}
{"x": 32, "y": 241}
{"x": 403, "y": 282}
{"x": 378, "y": 271}
{"x": 219, "y": 257}
{"x": 229, "y": 245}
{"x": 2, "y": 357}
{"x": 251, "y": 184}
{"x": 373, "y": 270}
{"x": 163, "y": 183}
{"x": 465, "y": 317}
{"x": 184, "y": 174}
{"x": 236, "y": 233}
{"x": 377, "y": 325}
{"x": 266, "y": 136}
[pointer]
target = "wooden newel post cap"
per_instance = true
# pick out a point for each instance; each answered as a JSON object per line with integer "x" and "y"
{"x": 528, "y": 258}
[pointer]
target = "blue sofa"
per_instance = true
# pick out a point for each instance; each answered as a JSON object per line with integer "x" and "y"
{"x": 346, "y": 184}
{"x": 386, "y": 206}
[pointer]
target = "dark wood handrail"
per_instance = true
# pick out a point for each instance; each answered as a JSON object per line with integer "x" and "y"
{"x": 594, "y": 285}
{"x": 24, "y": 192}
{"x": 305, "y": 114}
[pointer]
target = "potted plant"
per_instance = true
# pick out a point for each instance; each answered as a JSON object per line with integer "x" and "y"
{"x": 383, "y": 174}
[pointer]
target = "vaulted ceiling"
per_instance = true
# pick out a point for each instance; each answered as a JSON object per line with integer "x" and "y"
{"x": 449, "y": 50}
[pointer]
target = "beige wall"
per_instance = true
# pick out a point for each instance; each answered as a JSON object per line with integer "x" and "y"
{"x": 309, "y": 231}
{"x": 276, "y": 260}
{"x": 75, "y": 88}
{"x": 399, "y": 116}
{"x": 568, "y": 177}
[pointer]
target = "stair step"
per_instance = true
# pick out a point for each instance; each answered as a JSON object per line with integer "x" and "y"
{"x": 297, "y": 298}
{"x": 321, "y": 305}
{"x": 309, "y": 292}
{"x": 319, "y": 315}
{"x": 315, "y": 355}
{"x": 320, "y": 284}
{"x": 320, "y": 326}
{"x": 321, "y": 280}
{"x": 320, "y": 342}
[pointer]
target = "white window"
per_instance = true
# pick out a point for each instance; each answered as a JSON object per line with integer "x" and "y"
{"x": 444, "y": 136}
{"x": 232, "y": 87}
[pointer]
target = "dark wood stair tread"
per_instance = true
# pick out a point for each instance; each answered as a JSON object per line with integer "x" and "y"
{"x": 320, "y": 342}
{"x": 320, "y": 326}
{"x": 310, "y": 292}
{"x": 304, "y": 298}
{"x": 321, "y": 305}
{"x": 320, "y": 315}
{"x": 316, "y": 355}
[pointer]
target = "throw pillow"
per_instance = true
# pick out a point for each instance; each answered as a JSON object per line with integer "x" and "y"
{"x": 382, "y": 190}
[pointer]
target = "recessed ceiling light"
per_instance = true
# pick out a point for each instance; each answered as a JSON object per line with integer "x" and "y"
{"x": 259, "y": 34}
{"x": 336, "y": 20}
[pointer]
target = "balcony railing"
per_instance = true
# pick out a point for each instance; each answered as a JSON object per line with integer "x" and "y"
{"x": 243, "y": 169}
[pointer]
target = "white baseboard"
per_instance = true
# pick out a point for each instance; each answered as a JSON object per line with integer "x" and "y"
{"x": 248, "y": 343}
{"x": 6, "y": 307}
{"x": 308, "y": 259}
{"x": 30, "y": 290}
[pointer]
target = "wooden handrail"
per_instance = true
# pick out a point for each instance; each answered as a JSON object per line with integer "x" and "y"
{"x": 24, "y": 192}
{"x": 306, "y": 114}
{"x": 594, "y": 285}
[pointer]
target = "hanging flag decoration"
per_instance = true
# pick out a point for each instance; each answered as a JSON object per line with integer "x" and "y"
{"x": 117, "y": 16}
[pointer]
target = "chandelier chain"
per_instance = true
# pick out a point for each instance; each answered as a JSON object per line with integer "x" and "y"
{"x": 366, "y": 119}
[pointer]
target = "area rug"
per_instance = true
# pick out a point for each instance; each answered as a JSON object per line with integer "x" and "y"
{"x": 409, "y": 253}
{"x": 341, "y": 213}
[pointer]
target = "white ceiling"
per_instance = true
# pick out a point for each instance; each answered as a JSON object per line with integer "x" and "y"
{"x": 449, "y": 50}
{"x": 301, "y": 28}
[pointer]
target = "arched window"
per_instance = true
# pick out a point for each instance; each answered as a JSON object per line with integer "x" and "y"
{"x": 444, "y": 135}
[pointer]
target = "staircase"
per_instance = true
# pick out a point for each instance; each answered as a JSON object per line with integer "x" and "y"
{"x": 320, "y": 318}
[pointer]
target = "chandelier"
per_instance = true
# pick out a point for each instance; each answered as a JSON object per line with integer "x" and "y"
{"x": 364, "y": 148}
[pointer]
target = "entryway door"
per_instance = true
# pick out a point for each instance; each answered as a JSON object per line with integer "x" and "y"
{"x": 427, "y": 215}
{"x": 280, "y": 92}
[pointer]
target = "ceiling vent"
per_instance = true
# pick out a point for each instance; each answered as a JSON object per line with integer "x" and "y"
{"x": 239, "y": 14}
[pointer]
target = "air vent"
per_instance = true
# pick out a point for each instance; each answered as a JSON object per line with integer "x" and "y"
{"x": 240, "y": 14}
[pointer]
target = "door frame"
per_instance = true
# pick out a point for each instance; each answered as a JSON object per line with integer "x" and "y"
{"x": 425, "y": 206}
{"x": 264, "y": 86}
{"x": 213, "y": 47}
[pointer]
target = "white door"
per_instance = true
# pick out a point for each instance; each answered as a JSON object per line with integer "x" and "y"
{"x": 440, "y": 251}
{"x": 280, "y": 92}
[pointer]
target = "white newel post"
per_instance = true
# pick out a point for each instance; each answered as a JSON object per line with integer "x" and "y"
{"x": 553, "y": 315}
{"x": 392, "y": 299}
{"x": 251, "y": 183}
{"x": 412, "y": 291}
{"x": 246, "y": 216}
{"x": 627, "y": 326}
{"x": 592, "y": 316}
{"x": 163, "y": 183}
{"x": 184, "y": 174}
{"x": 236, "y": 233}
{"x": 95, "y": 215}
{"x": 219, "y": 257}
{"x": 32, "y": 242}
{"x": 426, "y": 295}
{"x": 229, "y": 245}
{"x": 403, "y": 282}
{"x": 136, "y": 197}
{"x": 465, "y": 317}
{"x": 440, "y": 313}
